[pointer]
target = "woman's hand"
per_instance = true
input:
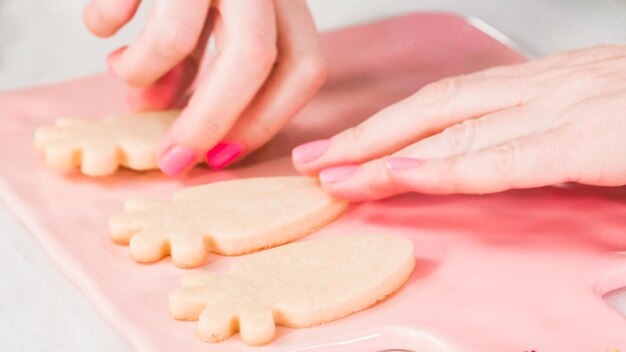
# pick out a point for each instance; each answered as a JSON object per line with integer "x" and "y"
{"x": 268, "y": 65}
{"x": 559, "y": 119}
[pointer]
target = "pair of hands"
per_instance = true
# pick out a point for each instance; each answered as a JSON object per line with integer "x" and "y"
{"x": 559, "y": 119}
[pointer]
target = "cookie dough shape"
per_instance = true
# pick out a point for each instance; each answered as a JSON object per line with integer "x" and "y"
{"x": 229, "y": 218}
{"x": 297, "y": 285}
{"x": 100, "y": 147}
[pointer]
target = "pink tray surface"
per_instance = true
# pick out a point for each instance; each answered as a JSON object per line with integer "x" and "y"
{"x": 517, "y": 271}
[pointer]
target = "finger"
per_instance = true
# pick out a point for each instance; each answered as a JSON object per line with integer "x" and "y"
{"x": 522, "y": 163}
{"x": 533, "y": 161}
{"x": 430, "y": 110}
{"x": 172, "y": 33}
{"x": 246, "y": 57}
{"x": 355, "y": 183}
{"x": 166, "y": 92}
{"x": 297, "y": 76}
{"x": 557, "y": 63}
{"x": 172, "y": 89}
{"x": 475, "y": 134}
{"x": 105, "y": 17}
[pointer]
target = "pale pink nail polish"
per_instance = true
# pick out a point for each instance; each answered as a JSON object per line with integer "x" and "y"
{"x": 336, "y": 174}
{"x": 223, "y": 154}
{"x": 310, "y": 151}
{"x": 177, "y": 159}
{"x": 403, "y": 163}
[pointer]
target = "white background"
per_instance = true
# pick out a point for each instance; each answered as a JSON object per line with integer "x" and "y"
{"x": 44, "y": 41}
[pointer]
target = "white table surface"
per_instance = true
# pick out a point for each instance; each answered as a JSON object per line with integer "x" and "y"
{"x": 44, "y": 41}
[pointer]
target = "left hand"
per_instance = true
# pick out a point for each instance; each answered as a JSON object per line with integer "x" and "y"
{"x": 559, "y": 119}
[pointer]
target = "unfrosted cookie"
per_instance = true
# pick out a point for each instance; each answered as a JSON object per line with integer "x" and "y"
{"x": 100, "y": 146}
{"x": 296, "y": 285}
{"x": 229, "y": 218}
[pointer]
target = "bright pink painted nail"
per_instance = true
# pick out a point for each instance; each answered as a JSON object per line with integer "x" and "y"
{"x": 223, "y": 154}
{"x": 403, "y": 163}
{"x": 336, "y": 174}
{"x": 307, "y": 152}
{"x": 177, "y": 159}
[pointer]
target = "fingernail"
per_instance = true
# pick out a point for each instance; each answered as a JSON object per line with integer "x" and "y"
{"x": 403, "y": 163}
{"x": 177, "y": 159}
{"x": 336, "y": 174}
{"x": 223, "y": 154}
{"x": 112, "y": 59}
{"x": 310, "y": 151}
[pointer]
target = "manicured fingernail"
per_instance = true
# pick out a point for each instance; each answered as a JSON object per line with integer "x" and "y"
{"x": 403, "y": 163}
{"x": 223, "y": 154}
{"x": 310, "y": 151}
{"x": 336, "y": 174}
{"x": 177, "y": 159}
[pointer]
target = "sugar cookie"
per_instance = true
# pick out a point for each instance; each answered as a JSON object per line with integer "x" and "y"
{"x": 296, "y": 285}
{"x": 99, "y": 147}
{"x": 232, "y": 217}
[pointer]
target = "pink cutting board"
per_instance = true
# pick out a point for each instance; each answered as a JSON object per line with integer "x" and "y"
{"x": 517, "y": 271}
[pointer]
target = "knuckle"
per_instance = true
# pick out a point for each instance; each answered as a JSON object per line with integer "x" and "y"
{"x": 349, "y": 139}
{"x": 174, "y": 40}
{"x": 200, "y": 132}
{"x": 210, "y": 127}
{"x": 260, "y": 50}
{"x": 506, "y": 159}
{"x": 263, "y": 132}
{"x": 312, "y": 71}
{"x": 354, "y": 134}
{"x": 460, "y": 137}
{"x": 443, "y": 89}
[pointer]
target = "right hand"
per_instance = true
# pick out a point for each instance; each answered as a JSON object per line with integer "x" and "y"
{"x": 268, "y": 65}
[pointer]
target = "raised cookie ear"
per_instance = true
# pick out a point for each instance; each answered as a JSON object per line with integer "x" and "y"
{"x": 224, "y": 306}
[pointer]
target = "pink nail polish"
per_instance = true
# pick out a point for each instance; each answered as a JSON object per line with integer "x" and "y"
{"x": 310, "y": 151}
{"x": 336, "y": 174}
{"x": 223, "y": 154}
{"x": 403, "y": 163}
{"x": 177, "y": 159}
